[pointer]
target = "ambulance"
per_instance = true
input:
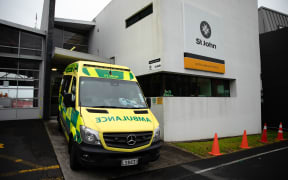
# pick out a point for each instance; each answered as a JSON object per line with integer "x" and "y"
{"x": 105, "y": 117}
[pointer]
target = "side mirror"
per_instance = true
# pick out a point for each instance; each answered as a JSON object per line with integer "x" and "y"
{"x": 68, "y": 100}
{"x": 148, "y": 100}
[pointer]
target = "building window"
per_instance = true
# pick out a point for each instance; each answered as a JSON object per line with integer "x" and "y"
{"x": 9, "y": 40}
{"x": 152, "y": 85}
{"x": 220, "y": 88}
{"x": 14, "y": 41}
{"x": 166, "y": 84}
{"x": 140, "y": 15}
{"x": 19, "y": 83}
{"x": 68, "y": 38}
{"x": 30, "y": 44}
{"x": 204, "y": 86}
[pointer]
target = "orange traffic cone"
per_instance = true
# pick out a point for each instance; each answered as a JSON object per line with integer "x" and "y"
{"x": 264, "y": 134}
{"x": 215, "y": 147}
{"x": 280, "y": 133}
{"x": 244, "y": 144}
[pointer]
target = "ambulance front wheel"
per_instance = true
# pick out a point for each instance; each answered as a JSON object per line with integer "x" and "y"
{"x": 74, "y": 163}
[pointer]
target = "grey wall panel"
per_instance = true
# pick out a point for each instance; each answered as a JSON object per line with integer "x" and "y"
{"x": 7, "y": 114}
{"x": 27, "y": 113}
{"x": 272, "y": 21}
{"x": 261, "y": 21}
{"x": 266, "y": 20}
{"x": 277, "y": 20}
{"x": 285, "y": 20}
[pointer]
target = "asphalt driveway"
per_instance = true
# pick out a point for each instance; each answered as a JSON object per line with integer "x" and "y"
{"x": 169, "y": 156}
{"x": 26, "y": 151}
{"x": 265, "y": 162}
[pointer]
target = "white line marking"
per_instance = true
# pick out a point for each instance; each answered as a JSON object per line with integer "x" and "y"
{"x": 237, "y": 161}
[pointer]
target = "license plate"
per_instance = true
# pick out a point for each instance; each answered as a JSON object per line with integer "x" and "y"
{"x": 129, "y": 162}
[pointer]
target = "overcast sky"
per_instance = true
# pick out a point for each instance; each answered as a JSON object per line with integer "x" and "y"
{"x": 24, "y": 11}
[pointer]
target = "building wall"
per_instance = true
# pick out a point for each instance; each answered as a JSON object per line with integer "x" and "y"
{"x": 134, "y": 46}
{"x": 22, "y": 51}
{"x": 273, "y": 66}
{"x": 164, "y": 35}
{"x": 199, "y": 118}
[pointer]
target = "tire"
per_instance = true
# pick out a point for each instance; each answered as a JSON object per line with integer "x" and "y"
{"x": 74, "y": 163}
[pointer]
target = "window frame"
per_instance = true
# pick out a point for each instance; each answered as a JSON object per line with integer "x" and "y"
{"x": 64, "y": 84}
{"x": 17, "y": 86}
{"x": 182, "y": 85}
{"x": 138, "y": 16}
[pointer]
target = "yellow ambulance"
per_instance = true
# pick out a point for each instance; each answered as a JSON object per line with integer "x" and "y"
{"x": 105, "y": 117}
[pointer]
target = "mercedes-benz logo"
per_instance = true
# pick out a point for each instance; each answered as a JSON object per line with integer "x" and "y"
{"x": 205, "y": 29}
{"x": 131, "y": 139}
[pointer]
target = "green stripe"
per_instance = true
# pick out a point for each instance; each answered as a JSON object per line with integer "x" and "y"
{"x": 85, "y": 71}
{"x": 72, "y": 67}
{"x": 79, "y": 140}
{"x": 67, "y": 122}
{"x": 131, "y": 76}
{"x": 60, "y": 99}
{"x": 106, "y": 74}
{"x": 74, "y": 117}
{"x": 64, "y": 109}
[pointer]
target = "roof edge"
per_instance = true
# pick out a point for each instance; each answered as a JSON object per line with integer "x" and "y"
{"x": 268, "y": 9}
{"x": 22, "y": 27}
{"x": 74, "y": 21}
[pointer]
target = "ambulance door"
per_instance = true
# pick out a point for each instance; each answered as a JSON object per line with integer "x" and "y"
{"x": 64, "y": 112}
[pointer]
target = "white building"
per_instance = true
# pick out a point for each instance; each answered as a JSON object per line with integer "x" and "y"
{"x": 198, "y": 58}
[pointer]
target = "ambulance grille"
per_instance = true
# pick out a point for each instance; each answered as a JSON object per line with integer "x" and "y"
{"x": 123, "y": 140}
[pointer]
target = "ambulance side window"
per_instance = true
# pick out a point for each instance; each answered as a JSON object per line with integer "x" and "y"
{"x": 65, "y": 84}
{"x": 73, "y": 90}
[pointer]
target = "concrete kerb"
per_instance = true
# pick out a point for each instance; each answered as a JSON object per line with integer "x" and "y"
{"x": 49, "y": 136}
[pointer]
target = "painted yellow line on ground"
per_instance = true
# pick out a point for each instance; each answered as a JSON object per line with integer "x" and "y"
{"x": 20, "y": 161}
{"x": 39, "y": 169}
{"x": 30, "y": 170}
{"x": 1, "y": 146}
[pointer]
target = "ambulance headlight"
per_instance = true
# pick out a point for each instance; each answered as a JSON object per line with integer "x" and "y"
{"x": 90, "y": 136}
{"x": 156, "y": 136}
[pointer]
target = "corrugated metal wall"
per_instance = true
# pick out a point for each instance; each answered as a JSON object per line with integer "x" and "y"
{"x": 270, "y": 20}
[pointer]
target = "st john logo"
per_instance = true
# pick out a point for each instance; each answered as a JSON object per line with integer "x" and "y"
{"x": 205, "y": 29}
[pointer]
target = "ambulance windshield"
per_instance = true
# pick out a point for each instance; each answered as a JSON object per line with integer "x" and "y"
{"x": 110, "y": 93}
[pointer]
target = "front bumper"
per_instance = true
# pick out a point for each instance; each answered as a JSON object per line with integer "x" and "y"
{"x": 89, "y": 155}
